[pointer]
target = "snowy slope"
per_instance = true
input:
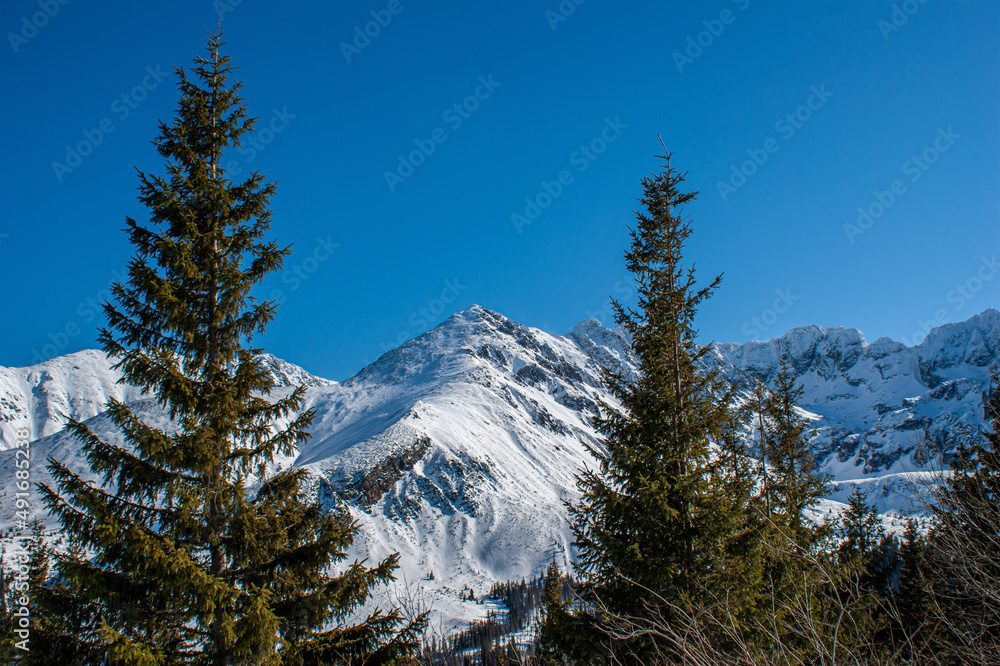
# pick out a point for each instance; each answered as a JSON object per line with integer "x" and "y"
{"x": 41, "y": 397}
{"x": 479, "y": 427}
{"x": 883, "y": 412}
{"x": 459, "y": 448}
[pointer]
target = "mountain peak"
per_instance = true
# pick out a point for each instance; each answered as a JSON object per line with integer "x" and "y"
{"x": 459, "y": 448}
{"x": 288, "y": 374}
{"x": 473, "y": 313}
{"x": 79, "y": 385}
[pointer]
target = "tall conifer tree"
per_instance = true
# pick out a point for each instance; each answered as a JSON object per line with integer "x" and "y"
{"x": 197, "y": 556}
{"x": 966, "y": 542}
{"x": 653, "y": 518}
{"x": 795, "y": 484}
{"x": 554, "y": 625}
{"x": 861, "y": 529}
{"x": 792, "y": 543}
{"x": 63, "y": 626}
{"x": 914, "y": 623}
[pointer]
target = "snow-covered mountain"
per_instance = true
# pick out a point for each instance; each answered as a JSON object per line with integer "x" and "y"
{"x": 41, "y": 397}
{"x": 459, "y": 448}
{"x": 882, "y": 413}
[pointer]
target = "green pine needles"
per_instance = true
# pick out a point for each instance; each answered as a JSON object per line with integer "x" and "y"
{"x": 686, "y": 544}
{"x": 649, "y": 521}
{"x": 188, "y": 552}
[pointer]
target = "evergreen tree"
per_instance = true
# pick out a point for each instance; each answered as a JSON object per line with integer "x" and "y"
{"x": 866, "y": 562}
{"x": 754, "y": 413}
{"x": 795, "y": 484}
{"x": 966, "y": 542}
{"x": 552, "y": 630}
{"x": 866, "y": 555}
{"x": 861, "y": 527}
{"x": 35, "y": 559}
{"x": 912, "y": 598}
{"x": 734, "y": 477}
{"x": 8, "y": 623}
{"x": 197, "y": 556}
{"x": 653, "y": 520}
{"x": 64, "y": 623}
{"x": 795, "y": 564}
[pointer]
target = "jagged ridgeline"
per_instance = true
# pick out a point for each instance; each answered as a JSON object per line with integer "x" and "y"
{"x": 458, "y": 448}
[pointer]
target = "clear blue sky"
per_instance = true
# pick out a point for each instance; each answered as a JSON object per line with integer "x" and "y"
{"x": 379, "y": 260}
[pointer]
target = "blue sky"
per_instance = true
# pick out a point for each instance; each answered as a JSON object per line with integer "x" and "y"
{"x": 404, "y": 208}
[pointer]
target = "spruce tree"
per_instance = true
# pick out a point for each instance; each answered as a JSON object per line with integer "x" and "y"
{"x": 912, "y": 596}
{"x": 64, "y": 625}
{"x": 867, "y": 556}
{"x": 793, "y": 544}
{"x": 34, "y": 561}
{"x": 195, "y": 554}
{"x": 914, "y": 630}
{"x": 8, "y": 623}
{"x": 966, "y": 542}
{"x": 866, "y": 561}
{"x": 795, "y": 484}
{"x": 754, "y": 413}
{"x": 653, "y": 520}
{"x": 861, "y": 528}
{"x": 552, "y": 629}
{"x": 734, "y": 478}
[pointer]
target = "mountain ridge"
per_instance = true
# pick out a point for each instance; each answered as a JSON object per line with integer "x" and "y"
{"x": 459, "y": 448}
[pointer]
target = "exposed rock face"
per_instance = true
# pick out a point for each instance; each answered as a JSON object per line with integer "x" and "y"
{"x": 370, "y": 486}
{"x": 883, "y": 407}
{"x": 459, "y": 448}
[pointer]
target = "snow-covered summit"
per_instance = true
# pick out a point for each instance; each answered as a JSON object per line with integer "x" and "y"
{"x": 458, "y": 448}
{"x": 285, "y": 374}
{"x": 884, "y": 412}
{"x": 41, "y": 397}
